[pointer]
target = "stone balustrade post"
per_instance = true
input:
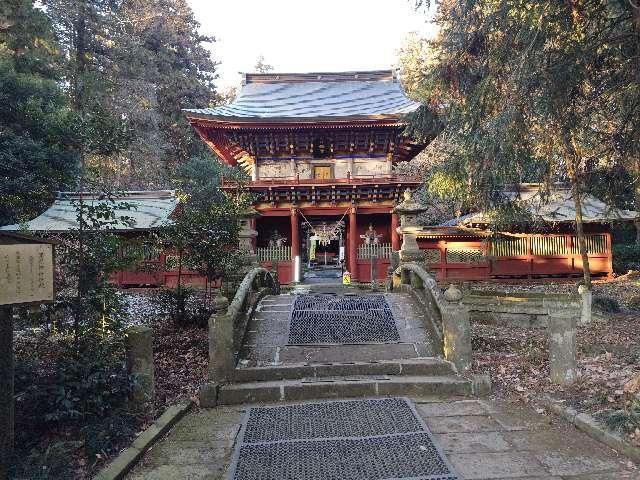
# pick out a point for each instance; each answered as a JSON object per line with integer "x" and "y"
{"x": 562, "y": 343}
{"x": 221, "y": 362}
{"x": 456, "y": 330}
{"x": 139, "y": 362}
{"x": 405, "y": 276}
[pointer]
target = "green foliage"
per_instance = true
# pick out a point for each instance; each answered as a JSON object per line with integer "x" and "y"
{"x": 185, "y": 305}
{"x": 158, "y": 64}
{"x": 606, "y": 304}
{"x": 74, "y": 381}
{"x": 528, "y": 92}
{"x": 59, "y": 388}
{"x": 36, "y": 124}
{"x": 626, "y": 257}
{"x": 624, "y": 419}
{"x": 205, "y": 232}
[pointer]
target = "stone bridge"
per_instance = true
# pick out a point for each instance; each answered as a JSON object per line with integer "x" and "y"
{"x": 340, "y": 383}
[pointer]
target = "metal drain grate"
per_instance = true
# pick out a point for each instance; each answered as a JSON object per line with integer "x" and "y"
{"x": 339, "y": 302}
{"x": 346, "y": 440}
{"x": 353, "y": 418}
{"x": 317, "y": 319}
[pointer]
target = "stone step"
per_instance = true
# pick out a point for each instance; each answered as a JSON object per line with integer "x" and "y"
{"x": 343, "y": 387}
{"x": 298, "y": 371}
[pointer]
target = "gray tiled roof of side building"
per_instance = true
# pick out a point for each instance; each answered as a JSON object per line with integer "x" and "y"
{"x": 148, "y": 210}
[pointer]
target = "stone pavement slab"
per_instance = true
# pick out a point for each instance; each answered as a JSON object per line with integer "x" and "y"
{"x": 483, "y": 440}
{"x": 486, "y": 465}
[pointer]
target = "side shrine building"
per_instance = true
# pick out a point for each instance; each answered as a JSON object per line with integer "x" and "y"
{"x": 320, "y": 149}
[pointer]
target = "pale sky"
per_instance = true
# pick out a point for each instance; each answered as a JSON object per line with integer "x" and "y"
{"x": 306, "y": 36}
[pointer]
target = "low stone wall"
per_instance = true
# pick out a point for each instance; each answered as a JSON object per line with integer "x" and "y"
{"x": 227, "y": 328}
{"x": 523, "y": 310}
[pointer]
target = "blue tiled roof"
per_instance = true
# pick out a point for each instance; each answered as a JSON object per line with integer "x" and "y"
{"x": 366, "y": 95}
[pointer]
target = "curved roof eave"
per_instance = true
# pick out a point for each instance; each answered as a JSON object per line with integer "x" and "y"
{"x": 224, "y": 120}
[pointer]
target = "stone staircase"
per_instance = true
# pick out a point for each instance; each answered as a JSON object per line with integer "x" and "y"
{"x": 270, "y": 370}
{"x": 428, "y": 378}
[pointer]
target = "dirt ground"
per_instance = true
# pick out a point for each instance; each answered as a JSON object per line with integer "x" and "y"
{"x": 608, "y": 357}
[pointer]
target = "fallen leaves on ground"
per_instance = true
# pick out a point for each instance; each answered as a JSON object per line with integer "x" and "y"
{"x": 608, "y": 359}
{"x": 181, "y": 357}
{"x": 181, "y": 353}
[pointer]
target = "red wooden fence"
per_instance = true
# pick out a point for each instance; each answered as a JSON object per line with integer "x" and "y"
{"x": 516, "y": 256}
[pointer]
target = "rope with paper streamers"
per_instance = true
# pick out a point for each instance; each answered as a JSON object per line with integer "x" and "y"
{"x": 325, "y": 237}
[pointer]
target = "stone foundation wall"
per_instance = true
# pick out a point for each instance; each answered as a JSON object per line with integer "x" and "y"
{"x": 518, "y": 310}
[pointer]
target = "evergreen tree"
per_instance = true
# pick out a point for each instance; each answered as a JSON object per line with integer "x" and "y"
{"x": 535, "y": 90}
{"x": 161, "y": 65}
{"x": 37, "y": 137}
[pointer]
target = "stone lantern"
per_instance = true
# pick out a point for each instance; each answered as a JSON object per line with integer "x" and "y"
{"x": 409, "y": 211}
{"x": 247, "y": 233}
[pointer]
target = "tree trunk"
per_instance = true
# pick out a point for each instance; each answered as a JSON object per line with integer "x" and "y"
{"x": 636, "y": 199}
{"x": 577, "y": 200}
{"x": 6, "y": 390}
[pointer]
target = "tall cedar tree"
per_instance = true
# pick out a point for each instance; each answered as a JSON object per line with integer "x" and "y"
{"x": 160, "y": 65}
{"x": 536, "y": 90}
{"x": 36, "y": 124}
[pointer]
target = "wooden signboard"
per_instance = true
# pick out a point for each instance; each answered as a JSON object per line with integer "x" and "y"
{"x": 26, "y": 277}
{"x": 26, "y": 273}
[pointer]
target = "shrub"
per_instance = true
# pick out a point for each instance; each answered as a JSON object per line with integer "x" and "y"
{"x": 624, "y": 419}
{"x": 62, "y": 389}
{"x": 634, "y": 301}
{"x": 606, "y": 304}
{"x": 626, "y": 257}
{"x": 185, "y": 305}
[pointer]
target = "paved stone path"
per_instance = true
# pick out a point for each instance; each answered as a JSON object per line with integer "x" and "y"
{"x": 481, "y": 439}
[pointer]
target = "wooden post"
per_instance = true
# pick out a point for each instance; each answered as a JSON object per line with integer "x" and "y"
{"x": 353, "y": 243}
{"x": 6, "y": 390}
{"x": 395, "y": 238}
{"x": 609, "y": 251}
{"x": 442, "y": 245}
{"x": 529, "y": 256}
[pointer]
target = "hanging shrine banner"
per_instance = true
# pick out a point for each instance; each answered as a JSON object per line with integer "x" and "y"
{"x": 26, "y": 273}
{"x": 312, "y": 247}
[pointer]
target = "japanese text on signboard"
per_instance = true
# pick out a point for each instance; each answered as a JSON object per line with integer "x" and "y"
{"x": 26, "y": 273}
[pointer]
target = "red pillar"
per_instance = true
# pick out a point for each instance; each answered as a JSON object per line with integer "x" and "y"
{"x": 353, "y": 243}
{"x": 395, "y": 237}
{"x": 295, "y": 243}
